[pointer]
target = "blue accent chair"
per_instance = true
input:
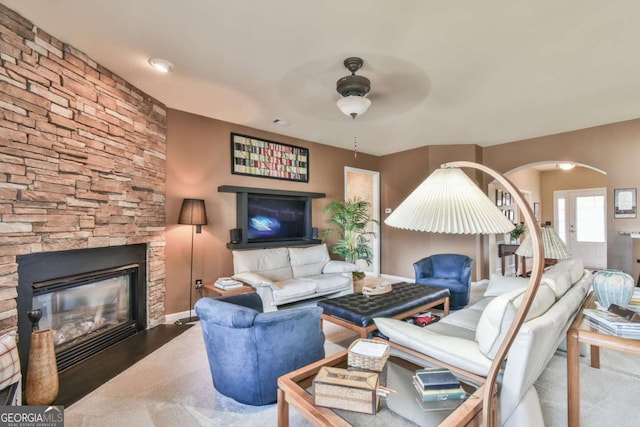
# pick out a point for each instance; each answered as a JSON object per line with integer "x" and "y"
{"x": 451, "y": 271}
{"x": 248, "y": 350}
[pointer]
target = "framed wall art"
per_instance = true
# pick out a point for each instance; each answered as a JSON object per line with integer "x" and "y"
{"x": 625, "y": 203}
{"x": 536, "y": 210}
{"x": 268, "y": 159}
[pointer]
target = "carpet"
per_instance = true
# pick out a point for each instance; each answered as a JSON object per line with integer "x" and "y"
{"x": 173, "y": 387}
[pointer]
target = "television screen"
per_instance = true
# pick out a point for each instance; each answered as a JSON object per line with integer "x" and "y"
{"x": 276, "y": 218}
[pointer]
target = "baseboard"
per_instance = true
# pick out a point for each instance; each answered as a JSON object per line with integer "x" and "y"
{"x": 173, "y": 317}
{"x": 397, "y": 278}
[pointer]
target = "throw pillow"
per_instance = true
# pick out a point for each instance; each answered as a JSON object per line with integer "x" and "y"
{"x": 499, "y": 285}
{"x": 9, "y": 360}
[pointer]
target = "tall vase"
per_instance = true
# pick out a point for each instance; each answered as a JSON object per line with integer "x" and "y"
{"x": 42, "y": 372}
{"x": 613, "y": 287}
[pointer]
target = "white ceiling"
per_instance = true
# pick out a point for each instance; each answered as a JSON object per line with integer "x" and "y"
{"x": 442, "y": 72}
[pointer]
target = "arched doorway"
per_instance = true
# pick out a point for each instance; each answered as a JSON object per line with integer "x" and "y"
{"x": 558, "y": 197}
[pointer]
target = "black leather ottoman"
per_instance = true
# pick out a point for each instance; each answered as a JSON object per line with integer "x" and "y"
{"x": 357, "y": 311}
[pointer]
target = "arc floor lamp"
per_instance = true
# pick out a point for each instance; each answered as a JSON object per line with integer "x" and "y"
{"x": 448, "y": 201}
{"x": 194, "y": 213}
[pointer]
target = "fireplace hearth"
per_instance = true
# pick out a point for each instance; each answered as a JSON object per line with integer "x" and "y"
{"x": 91, "y": 298}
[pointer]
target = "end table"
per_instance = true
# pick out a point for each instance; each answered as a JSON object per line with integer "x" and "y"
{"x": 210, "y": 290}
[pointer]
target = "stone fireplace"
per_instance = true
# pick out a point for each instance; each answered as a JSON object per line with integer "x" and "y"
{"x": 91, "y": 298}
{"x": 82, "y": 170}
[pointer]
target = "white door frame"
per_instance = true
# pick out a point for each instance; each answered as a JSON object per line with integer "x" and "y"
{"x": 569, "y": 215}
{"x": 375, "y": 208}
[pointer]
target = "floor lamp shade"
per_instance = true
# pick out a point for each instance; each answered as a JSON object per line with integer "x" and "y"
{"x": 193, "y": 212}
{"x": 448, "y": 201}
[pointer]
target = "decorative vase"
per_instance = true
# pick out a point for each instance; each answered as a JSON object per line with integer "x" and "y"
{"x": 613, "y": 287}
{"x": 42, "y": 371}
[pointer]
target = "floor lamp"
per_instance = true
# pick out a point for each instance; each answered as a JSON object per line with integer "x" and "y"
{"x": 448, "y": 201}
{"x": 192, "y": 213}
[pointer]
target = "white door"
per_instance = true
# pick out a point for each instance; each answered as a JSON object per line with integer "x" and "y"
{"x": 581, "y": 222}
{"x": 365, "y": 184}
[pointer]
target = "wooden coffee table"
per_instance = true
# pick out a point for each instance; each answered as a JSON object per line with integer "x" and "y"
{"x": 356, "y": 311}
{"x": 295, "y": 389}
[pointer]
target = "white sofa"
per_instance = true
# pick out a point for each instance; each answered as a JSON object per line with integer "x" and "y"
{"x": 470, "y": 338}
{"x": 285, "y": 275}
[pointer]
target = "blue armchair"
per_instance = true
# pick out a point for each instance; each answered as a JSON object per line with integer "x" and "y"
{"x": 450, "y": 271}
{"x": 248, "y": 350}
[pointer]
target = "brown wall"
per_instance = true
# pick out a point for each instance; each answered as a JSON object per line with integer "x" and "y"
{"x": 198, "y": 162}
{"x": 613, "y": 149}
{"x": 82, "y": 159}
{"x": 400, "y": 174}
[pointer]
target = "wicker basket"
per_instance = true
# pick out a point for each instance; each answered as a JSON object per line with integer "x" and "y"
{"x": 369, "y": 363}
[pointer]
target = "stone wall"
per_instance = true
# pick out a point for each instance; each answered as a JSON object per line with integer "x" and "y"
{"x": 82, "y": 159}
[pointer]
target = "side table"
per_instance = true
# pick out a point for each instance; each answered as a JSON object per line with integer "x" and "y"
{"x": 210, "y": 290}
{"x": 581, "y": 332}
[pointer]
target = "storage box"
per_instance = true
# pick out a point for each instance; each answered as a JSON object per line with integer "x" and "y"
{"x": 350, "y": 390}
{"x": 368, "y": 355}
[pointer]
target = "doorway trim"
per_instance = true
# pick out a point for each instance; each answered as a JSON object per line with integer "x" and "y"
{"x": 375, "y": 209}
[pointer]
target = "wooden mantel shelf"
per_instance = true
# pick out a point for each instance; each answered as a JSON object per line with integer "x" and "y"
{"x": 236, "y": 189}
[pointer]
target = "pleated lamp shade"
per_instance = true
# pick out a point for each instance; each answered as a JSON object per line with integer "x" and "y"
{"x": 193, "y": 212}
{"x": 554, "y": 247}
{"x": 448, "y": 201}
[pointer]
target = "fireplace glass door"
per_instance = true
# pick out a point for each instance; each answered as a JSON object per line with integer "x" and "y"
{"x": 78, "y": 311}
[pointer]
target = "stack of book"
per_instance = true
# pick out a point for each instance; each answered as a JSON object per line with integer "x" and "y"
{"x": 227, "y": 283}
{"x": 438, "y": 384}
{"x": 634, "y": 304}
{"x": 612, "y": 324}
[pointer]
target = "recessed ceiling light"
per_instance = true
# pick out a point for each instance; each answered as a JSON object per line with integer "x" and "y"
{"x": 566, "y": 166}
{"x": 280, "y": 122}
{"x": 161, "y": 65}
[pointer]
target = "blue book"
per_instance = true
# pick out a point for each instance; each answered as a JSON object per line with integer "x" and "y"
{"x": 436, "y": 378}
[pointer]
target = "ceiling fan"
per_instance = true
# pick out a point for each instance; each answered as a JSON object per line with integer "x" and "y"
{"x": 353, "y": 89}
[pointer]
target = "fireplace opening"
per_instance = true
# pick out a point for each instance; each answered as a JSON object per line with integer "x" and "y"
{"x": 91, "y": 298}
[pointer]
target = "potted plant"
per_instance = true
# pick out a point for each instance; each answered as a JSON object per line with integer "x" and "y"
{"x": 518, "y": 231}
{"x": 351, "y": 218}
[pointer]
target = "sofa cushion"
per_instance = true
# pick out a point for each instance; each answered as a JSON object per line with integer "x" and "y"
{"x": 254, "y": 279}
{"x": 340, "y": 267}
{"x": 575, "y": 267}
{"x": 499, "y": 284}
{"x": 454, "y": 285}
{"x": 455, "y": 350}
{"x": 293, "y": 289}
{"x": 308, "y": 261}
{"x": 274, "y": 264}
{"x": 558, "y": 280}
{"x": 467, "y": 319}
{"x": 329, "y": 282}
{"x": 499, "y": 314}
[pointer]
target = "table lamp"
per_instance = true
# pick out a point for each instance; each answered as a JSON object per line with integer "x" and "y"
{"x": 554, "y": 247}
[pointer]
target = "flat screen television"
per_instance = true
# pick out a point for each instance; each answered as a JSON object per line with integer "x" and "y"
{"x": 273, "y": 218}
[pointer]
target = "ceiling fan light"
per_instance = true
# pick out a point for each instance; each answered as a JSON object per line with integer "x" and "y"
{"x": 354, "y": 105}
{"x": 566, "y": 166}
